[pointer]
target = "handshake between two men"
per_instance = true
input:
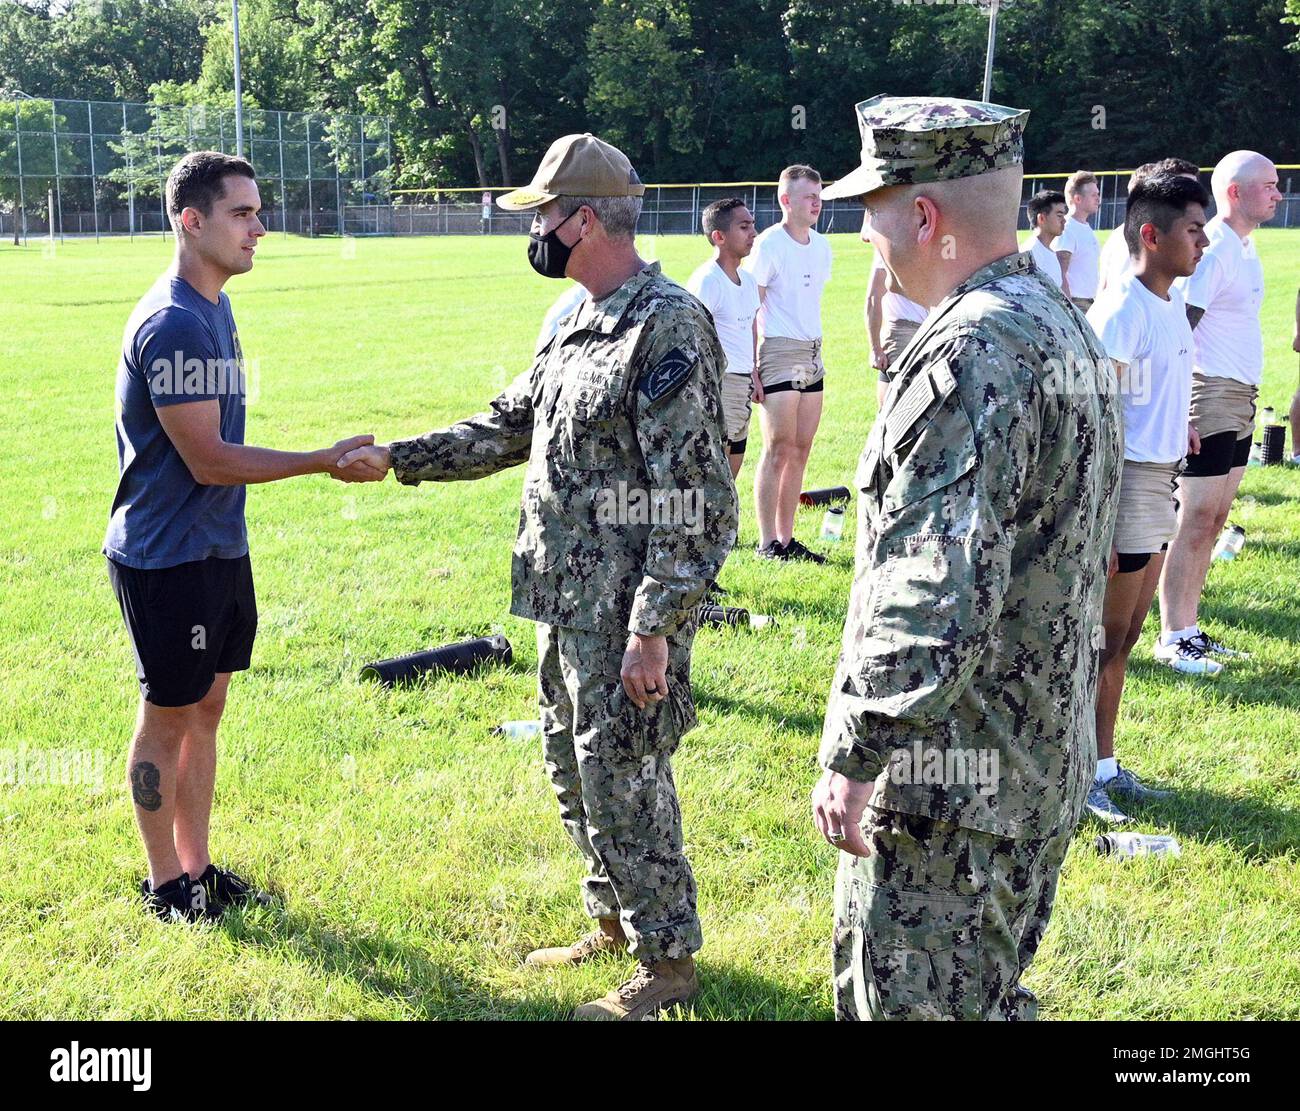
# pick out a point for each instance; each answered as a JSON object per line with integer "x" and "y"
{"x": 358, "y": 459}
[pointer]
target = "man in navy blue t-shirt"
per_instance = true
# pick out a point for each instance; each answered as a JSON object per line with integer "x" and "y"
{"x": 176, "y": 544}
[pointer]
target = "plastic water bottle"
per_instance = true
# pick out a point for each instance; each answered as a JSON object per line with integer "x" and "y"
{"x": 519, "y": 730}
{"x": 1256, "y": 457}
{"x": 1125, "y": 845}
{"x": 1230, "y": 542}
{"x": 1267, "y": 416}
{"x": 833, "y": 523}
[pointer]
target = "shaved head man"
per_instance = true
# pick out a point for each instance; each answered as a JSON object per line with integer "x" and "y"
{"x": 1223, "y": 298}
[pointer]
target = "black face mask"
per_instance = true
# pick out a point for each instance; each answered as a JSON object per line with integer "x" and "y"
{"x": 546, "y": 254}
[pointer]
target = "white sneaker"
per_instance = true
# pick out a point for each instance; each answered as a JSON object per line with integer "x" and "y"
{"x": 1186, "y": 655}
{"x": 1214, "y": 648}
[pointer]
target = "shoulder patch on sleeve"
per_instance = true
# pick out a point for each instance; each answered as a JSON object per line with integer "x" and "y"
{"x": 667, "y": 375}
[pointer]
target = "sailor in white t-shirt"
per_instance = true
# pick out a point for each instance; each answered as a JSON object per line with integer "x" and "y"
{"x": 791, "y": 263}
{"x": 1046, "y": 211}
{"x": 1115, "y": 261}
{"x": 1223, "y": 302}
{"x": 1077, "y": 247}
{"x": 1142, "y": 323}
{"x": 731, "y": 296}
{"x": 892, "y": 320}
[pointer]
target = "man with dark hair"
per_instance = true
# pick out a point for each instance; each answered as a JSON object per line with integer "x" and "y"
{"x": 177, "y": 545}
{"x": 1077, "y": 248}
{"x": 791, "y": 263}
{"x": 731, "y": 295}
{"x": 1224, "y": 298}
{"x": 1142, "y": 323}
{"x": 1115, "y": 259}
{"x": 1046, "y": 211}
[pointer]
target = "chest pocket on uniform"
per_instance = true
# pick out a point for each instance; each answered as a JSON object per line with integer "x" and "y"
{"x": 587, "y": 416}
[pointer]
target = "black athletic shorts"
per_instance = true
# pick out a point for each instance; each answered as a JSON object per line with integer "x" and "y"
{"x": 1218, "y": 455}
{"x": 782, "y": 387}
{"x": 187, "y": 624}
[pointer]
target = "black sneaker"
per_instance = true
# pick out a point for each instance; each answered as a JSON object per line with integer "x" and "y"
{"x": 772, "y": 550}
{"x": 178, "y": 900}
{"x": 795, "y": 550}
{"x": 224, "y": 889}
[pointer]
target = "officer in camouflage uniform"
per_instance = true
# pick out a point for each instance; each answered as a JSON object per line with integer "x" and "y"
{"x": 628, "y": 514}
{"x": 959, "y": 738}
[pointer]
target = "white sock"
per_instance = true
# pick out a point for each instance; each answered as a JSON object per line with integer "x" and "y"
{"x": 1107, "y": 769}
{"x": 1177, "y": 635}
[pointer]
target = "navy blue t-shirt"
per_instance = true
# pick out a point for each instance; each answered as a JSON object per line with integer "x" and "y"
{"x": 178, "y": 347}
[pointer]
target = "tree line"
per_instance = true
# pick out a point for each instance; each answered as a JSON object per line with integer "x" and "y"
{"x": 691, "y": 90}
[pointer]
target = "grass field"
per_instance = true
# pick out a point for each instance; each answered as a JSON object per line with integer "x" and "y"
{"x": 419, "y": 856}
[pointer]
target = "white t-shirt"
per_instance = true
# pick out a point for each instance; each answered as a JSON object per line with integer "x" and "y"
{"x": 1229, "y": 286}
{"x": 733, "y": 307}
{"x": 794, "y": 274}
{"x": 1115, "y": 259}
{"x": 1045, "y": 257}
{"x": 894, "y": 306}
{"x": 1153, "y": 337}
{"x": 564, "y": 304}
{"x": 1085, "y": 256}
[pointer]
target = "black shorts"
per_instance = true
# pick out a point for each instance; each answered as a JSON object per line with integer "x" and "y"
{"x": 187, "y": 624}
{"x": 1218, "y": 455}
{"x": 782, "y": 387}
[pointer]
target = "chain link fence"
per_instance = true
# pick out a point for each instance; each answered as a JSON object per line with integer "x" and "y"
{"x": 77, "y": 167}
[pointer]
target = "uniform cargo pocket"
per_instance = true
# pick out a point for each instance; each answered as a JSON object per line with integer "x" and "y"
{"x": 919, "y": 955}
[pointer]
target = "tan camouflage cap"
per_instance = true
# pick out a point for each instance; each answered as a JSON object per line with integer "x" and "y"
{"x": 577, "y": 166}
{"x": 907, "y": 140}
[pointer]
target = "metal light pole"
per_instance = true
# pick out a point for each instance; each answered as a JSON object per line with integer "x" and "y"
{"x": 239, "y": 88}
{"x": 988, "y": 55}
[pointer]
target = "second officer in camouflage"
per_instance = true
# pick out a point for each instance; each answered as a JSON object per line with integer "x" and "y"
{"x": 628, "y": 514}
{"x": 959, "y": 738}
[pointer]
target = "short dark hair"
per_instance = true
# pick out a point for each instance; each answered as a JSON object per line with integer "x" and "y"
{"x": 1164, "y": 166}
{"x": 1160, "y": 200}
{"x": 196, "y": 181}
{"x": 719, "y": 215}
{"x": 1042, "y": 202}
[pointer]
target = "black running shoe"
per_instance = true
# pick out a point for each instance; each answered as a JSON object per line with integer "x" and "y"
{"x": 224, "y": 889}
{"x": 772, "y": 550}
{"x": 178, "y": 900}
{"x": 795, "y": 550}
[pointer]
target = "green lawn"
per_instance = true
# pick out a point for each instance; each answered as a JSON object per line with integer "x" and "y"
{"x": 418, "y": 855}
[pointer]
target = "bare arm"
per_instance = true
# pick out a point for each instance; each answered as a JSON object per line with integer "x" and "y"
{"x": 194, "y": 427}
{"x": 875, "y": 316}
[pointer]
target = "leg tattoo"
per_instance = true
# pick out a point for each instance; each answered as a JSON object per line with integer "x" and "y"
{"x": 144, "y": 786}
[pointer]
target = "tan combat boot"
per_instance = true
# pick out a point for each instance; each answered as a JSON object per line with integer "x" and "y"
{"x": 607, "y": 938}
{"x": 652, "y": 988}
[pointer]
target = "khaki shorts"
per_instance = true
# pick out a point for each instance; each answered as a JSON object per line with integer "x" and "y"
{"x": 1222, "y": 405}
{"x": 791, "y": 364}
{"x": 1148, "y": 514}
{"x": 897, "y": 335}
{"x": 737, "y": 392}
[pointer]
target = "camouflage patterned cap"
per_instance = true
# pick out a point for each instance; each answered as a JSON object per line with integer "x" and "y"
{"x": 907, "y": 140}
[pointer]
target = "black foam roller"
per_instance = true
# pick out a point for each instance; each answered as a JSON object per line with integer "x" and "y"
{"x": 457, "y": 658}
